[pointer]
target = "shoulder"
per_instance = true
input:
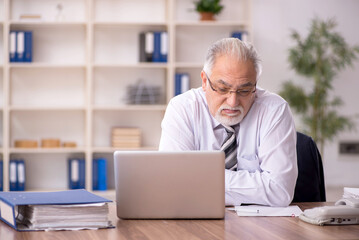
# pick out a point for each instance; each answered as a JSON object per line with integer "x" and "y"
{"x": 191, "y": 98}
{"x": 268, "y": 99}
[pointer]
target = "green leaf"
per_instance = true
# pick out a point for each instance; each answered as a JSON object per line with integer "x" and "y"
{"x": 295, "y": 96}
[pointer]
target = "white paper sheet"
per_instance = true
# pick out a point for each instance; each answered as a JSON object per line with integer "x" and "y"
{"x": 260, "y": 211}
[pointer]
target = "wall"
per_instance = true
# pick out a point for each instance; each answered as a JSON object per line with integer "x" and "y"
{"x": 272, "y": 22}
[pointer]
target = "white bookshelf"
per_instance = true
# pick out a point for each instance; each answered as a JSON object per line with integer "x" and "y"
{"x": 75, "y": 87}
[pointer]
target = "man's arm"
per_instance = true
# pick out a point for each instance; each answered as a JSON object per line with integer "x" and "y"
{"x": 177, "y": 132}
{"x": 274, "y": 184}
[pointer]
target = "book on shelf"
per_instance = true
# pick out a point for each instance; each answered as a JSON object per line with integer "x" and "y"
{"x": 153, "y": 46}
{"x": 17, "y": 177}
{"x": 76, "y": 174}
{"x": 181, "y": 83}
{"x": 99, "y": 174}
{"x": 126, "y": 137}
{"x": 241, "y": 35}
{"x": 146, "y": 46}
{"x": 20, "y": 49}
{"x": 62, "y": 210}
{"x": 12, "y": 46}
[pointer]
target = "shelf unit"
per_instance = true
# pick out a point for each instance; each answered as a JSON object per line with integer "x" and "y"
{"x": 82, "y": 63}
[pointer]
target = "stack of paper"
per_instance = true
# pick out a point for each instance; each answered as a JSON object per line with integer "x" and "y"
{"x": 351, "y": 193}
{"x": 128, "y": 138}
{"x": 74, "y": 216}
{"x": 65, "y": 210}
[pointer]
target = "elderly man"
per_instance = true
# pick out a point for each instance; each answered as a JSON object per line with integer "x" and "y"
{"x": 252, "y": 126}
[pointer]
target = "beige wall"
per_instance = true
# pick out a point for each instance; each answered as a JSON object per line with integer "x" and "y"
{"x": 272, "y": 21}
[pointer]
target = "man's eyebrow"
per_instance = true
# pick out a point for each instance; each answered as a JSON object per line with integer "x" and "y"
{"x": 224, "y": 83}
{"x": 247, "y": 84}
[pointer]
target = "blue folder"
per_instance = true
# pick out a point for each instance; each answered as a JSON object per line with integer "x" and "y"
{"x": 76, "y": 173}
{"x": 9, "y": 201}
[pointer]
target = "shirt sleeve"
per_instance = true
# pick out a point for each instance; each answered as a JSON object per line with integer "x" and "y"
{"x": 274, "y": 183}
{"x": 177, "y": 132}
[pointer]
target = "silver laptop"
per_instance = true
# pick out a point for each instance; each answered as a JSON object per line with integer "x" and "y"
{"x": 169, "y": 185}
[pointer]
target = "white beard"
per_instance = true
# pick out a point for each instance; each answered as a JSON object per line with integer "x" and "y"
{"x": 229, "y": 120}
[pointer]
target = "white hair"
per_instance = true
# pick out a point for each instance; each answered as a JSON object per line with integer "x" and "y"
{"x": 234, "y": 47}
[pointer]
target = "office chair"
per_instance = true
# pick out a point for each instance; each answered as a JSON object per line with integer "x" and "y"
{"x": 310, "y": 185}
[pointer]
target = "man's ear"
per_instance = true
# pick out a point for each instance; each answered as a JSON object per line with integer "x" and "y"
{"x": 204, "y": 80}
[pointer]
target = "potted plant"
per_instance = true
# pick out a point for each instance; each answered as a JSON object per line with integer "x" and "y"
{"x": 208, "y": 8}
{"x": 318, "y": 58}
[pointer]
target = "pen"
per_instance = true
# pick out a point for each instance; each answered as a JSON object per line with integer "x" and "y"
{"x": 248, "y": 210}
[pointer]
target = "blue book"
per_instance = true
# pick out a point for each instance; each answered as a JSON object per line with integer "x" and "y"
{"x": 21, "y": 177}
{"x": 76, "y": 173}
{"x": 157, "y": 47}
{"x": 13, "y": 46}
{"x": 28, "y": 47}
{"x": 1, "y": 176}
{"x": 13, "y": 175}
{"x": 14, "y": 204}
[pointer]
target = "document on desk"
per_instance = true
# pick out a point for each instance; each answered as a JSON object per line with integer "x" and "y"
{"x": 260, "y": 211}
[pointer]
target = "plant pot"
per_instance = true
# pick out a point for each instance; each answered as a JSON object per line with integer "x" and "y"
{"x": 207, "y": 16}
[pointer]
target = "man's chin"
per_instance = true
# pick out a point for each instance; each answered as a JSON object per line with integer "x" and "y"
{"x": 229, "y": 120}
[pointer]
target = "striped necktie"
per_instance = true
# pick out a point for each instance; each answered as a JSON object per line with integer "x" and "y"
{"x": 229, "y": 147}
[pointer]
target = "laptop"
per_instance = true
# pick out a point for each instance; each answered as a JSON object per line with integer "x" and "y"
{"x": 169, "y": 185}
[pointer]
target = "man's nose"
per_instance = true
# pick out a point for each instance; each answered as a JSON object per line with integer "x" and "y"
{"x": 233, "y": 99}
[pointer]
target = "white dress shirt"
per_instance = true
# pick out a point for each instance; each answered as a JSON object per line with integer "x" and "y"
{"x": 266, "y": 139}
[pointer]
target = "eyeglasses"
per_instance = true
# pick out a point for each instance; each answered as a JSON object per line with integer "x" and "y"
{"x": 225, "y": 91}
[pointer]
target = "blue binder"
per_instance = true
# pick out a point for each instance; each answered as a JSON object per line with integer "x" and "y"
{"x": 20, "y": 46}
{"x": 157, "y": 47}
{"x": 241, "y": 35}
{"x": 10, "y": 201}
{"x": 100, "y": 174}
{"x": 24, "y": 46}
{"x": 21, "y": 176}
{"x": 1, "y": 176}
{"x": 28, "y": 47}
{"x": 178, "y": 84}
{"x": 164, "y": 46}
{"x": 13, "y": 175}
{"x": 76, "y": 173}
{"x": 181, "y": 83}
{"x": 94, "y": 174}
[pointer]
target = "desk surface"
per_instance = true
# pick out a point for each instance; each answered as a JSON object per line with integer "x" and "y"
{"x": 232, "y": 227}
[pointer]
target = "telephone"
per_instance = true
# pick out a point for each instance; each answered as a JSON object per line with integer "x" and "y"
{"x": 345, "y": 211}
